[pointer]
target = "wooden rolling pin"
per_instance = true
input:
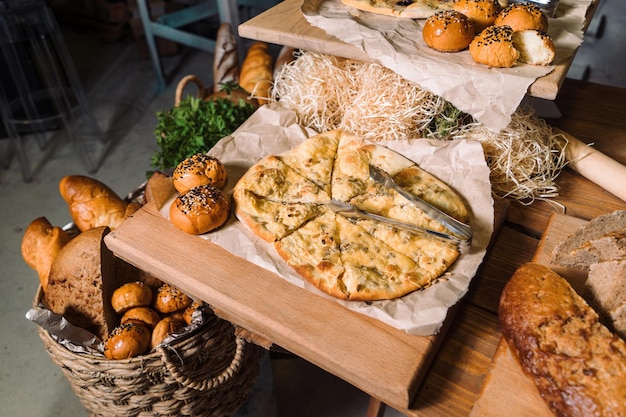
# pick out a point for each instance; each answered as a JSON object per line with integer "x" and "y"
{"x": 595, "y": 166}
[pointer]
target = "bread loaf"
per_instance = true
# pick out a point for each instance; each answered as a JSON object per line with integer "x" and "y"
{"x": 577, "y": 364}
{"x": 600, "y": 239}
{"x": 92, "y": 203}
{"x": 606, "y": 285}
{"x": 81, "y": 282}
{"x": 226, "y": 57}
{"x": 41, "y": 244}
{"x": 256, "y": 74}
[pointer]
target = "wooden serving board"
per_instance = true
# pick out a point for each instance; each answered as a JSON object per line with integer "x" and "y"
{"x": 350, "y": 345}
{"x": 507, "y": 390}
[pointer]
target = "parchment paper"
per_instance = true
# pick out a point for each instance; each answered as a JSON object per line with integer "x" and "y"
{"x": 490, "y": 95}
{"x": 273, "y": 129}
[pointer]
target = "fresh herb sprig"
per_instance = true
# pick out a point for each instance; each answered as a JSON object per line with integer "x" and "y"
{"x": 195, "y": 126}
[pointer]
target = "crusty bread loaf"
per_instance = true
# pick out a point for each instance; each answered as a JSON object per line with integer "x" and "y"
{"x": 81, "y": 282}
{"x": 41, "y": 244}
{"x": 257, "y": 72}
{"x": 92, "y": 203}
{"x": 448, "y": 31}
{"x": 600, "y": 239}
{"x": 577, "y": 364}
{"x": 226, "y": 57}
{"x": 606, "y": 286}
{"x": 494, "y": 47}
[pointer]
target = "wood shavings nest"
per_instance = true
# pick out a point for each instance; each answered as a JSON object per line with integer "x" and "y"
{"x": 371, "y": 101}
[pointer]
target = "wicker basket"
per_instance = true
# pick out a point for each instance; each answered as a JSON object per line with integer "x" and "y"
{"x": 209, "y": 373}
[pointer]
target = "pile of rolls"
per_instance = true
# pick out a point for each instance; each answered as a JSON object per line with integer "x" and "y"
{"x": 496, "y": 36}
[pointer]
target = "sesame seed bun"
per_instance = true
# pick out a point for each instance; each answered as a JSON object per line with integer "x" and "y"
{"x": 494, "y": 47}
{"x": 448, "y": 31}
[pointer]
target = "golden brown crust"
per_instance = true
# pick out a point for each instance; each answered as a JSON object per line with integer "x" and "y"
{"x": 41, "y": 244}
{"x": 448, "y": 31}
{"x": 200, "y": 210}
{"x": 91, "y": 203}
{"x": 169, "y": 299}
{"x": 145, "y": 315}
{"x": 199, "y": 169}
{"x": 577, "y": 364}
{"x": 482, "y": 13}
{"x": 494, "y": 47}
{"x": 132, "y": 294}
{"x": 127, "y": 341}
{"x": 522, "y": 16}
{"x": 165, "y": 328}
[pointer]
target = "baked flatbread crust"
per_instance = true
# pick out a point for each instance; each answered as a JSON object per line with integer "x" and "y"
{"x": 283, "y": 200}
{"x": 410, "y": 9}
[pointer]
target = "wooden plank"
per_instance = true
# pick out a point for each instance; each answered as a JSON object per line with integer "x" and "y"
{"x": 350, "y": 345}
{"x": 507, "y": 389}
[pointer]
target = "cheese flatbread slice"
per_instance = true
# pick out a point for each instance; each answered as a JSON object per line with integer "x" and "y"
{"x": 374, "y": 270}
{"x": 411, "y": 9}
{"x": 432, "y": 190}
{"x": 433, "y": 257}
{"x": 351, "y": 173}
{"x": 271, "y": 220}
{"x": 313, "y": 251}
{"x": 315, "y": 157}
{"x": 274, "y": 180}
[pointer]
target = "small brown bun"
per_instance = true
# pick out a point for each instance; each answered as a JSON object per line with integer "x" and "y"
{"x": 164, "y": 328}
{"x": 200, "y": 210}
{"x": 132, "y": 294}
{"x": 481, "y": 13}
{"x": 143, "y": 315}
{"x": 448, "y": 31}
{"x": 199, "y": 169}
{"x": 522, "y": 16}
{"x": 127, "y": 341}
{"x": 535, "y": 47}
{"x": 190, "y": 310}
{"x": 169, "y": 299}
{"x": 494, "y": 47}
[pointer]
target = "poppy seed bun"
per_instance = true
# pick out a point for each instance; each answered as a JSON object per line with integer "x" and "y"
{"x": 481, "y": 13}
{"x": 535, "y": 47}
{"x": 142, "y": 315}
{"x": 200, "y": 210}
{"x": 448, "y": 31}
{"x": 494, "y": 47}
{"x": 198, "y": 169}
{"x": 522, "y": 16}
{"x": 132, "y": 294}
{"x": 127, "y": 341}
{"x": 169, "y": 299}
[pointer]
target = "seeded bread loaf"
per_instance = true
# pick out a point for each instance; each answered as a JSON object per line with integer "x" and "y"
{"x": 603, "y": 238}
{"x": 81, "y": 282}
{"x": 576, "y": 363}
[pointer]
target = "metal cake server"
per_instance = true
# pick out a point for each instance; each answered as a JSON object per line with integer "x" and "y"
{"x": 462, "y": 230}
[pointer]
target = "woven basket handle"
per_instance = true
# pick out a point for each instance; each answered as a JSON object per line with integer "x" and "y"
{"x": 202, "y": 90}
{"x": 205, "y": 384}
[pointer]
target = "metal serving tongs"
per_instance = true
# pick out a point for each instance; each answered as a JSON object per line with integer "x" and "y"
{"x": 461, "y": 230}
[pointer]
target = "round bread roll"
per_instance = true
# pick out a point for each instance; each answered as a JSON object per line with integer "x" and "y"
{"x": 200, "y": 210}
{"x": 522, "y": 16}
{"x": 132, "y": 294}
{"x": 535, "y": 47}
{"x": 482, "y": 13}
{"x": 142, "y": 315}
{"x": 169, "y": 299}
{"x": 127, "y": 341}
{"x": 188, "y": 313}
{"x": 169, "y": 325}
{"x": 448, "y": 31}
{"x": 494, "y": 47}
{"x": 199, "y": 169}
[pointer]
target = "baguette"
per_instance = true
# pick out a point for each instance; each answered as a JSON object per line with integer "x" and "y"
{"x": 577, "y": 364}
{"x": 256, "y": 75}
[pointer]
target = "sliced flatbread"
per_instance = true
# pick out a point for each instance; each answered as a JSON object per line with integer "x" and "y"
{"x": 314, "y": 158}
{"x": 271, "y": 220}
{"x": 274, "y": 180}
{"x": 350, "y": 175}
{"x": 410, "y": 9}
